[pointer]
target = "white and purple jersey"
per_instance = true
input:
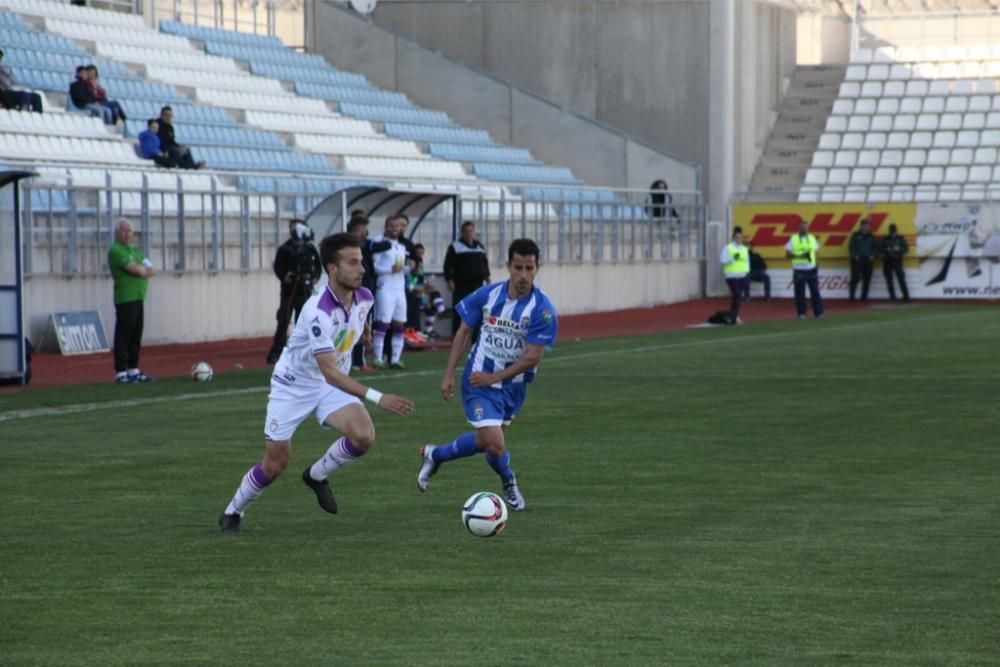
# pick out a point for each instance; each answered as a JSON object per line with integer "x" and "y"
{"x": 506, "y": 327}
{"x": 385, "y": 261}
{"x": 324, "y": 327}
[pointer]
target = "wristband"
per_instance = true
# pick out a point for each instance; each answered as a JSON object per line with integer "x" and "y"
{"x": 373, "y": 396}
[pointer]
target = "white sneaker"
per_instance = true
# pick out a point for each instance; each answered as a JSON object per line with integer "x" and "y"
{"x": 512, "y": 495}
{"x": 427, "y": 468}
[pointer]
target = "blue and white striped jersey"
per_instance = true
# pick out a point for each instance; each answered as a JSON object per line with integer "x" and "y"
{"x": 506, "y": 327}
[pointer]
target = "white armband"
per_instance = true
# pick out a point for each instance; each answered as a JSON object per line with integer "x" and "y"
{"x": 373, "y": 396}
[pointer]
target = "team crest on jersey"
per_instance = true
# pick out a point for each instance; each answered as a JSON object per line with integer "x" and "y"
{"x": 486, "y": 311}
{"x": 547, "y": 316}
{"x": 525, "y": 322}
{"x": 478, "y": 412}
{"x": 317, "y": 332}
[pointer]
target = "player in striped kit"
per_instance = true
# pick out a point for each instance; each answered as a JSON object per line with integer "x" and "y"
{"x": 311, "y": 378}
{"x": 516, "y": 323}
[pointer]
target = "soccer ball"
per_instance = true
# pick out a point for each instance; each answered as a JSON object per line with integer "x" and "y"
{"x": 484, "y": 514}
{"x": 201, "y": 372}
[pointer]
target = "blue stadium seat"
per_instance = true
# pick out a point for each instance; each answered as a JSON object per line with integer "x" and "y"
{"x": 524, "y": 174}
{"x": 398, "y": 114}
{"x": 205, "y": 34}
{"x": 327, "y": 76}
{"x": 473, "y": 153}
{"x": 430, "y": 133}
{"x": 352, "y": 94}
{"x": 254, "y": 54}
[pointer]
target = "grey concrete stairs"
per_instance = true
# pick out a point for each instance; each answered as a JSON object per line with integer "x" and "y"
{"x": 801, "y": 119}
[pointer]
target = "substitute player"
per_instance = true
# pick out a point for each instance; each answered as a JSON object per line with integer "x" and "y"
{"x": 311, "y": 378}
{"x": 516, "y": 322}
{"x": 390, "y": 256}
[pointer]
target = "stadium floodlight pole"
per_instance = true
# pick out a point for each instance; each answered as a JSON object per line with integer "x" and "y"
{"x": 855, "y": 28}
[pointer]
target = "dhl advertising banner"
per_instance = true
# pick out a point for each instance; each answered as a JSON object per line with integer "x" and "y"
{"x": 768, "y": 227}
{"x": 959, "y": 250}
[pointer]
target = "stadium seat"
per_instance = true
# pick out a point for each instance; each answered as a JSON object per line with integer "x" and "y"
{"x": 915, "y": 157}
{"x": 894, "y": 89}
{"x": 845, "y": 159}
{"x": 823, "y": 159}
{"x": 816, "y": 176}
{"x": 904, "y": 123}
{"x": 938, "y": 156}
{"x": 858, "y": 123}
{"x": 985, "y": 156}
{"x": 933, "y": 105}
{"x": 842, "y": 108}
{"x": 838, "y": 177}
{"x": 908, "y": 175}
{"x": 875, "y": 141}
{"x": 836, "y": 124}
{"x": 853, "y": 141}
{"x": 862, "y": 176}
{"x": 888, "y": 106}
{"x": 881, "y": 123}
{"x": 884, "y": 176}
{"x": 902, "y": 193}
{"x": 891, "y": 158}
{"x": 921, "y": 139}
{"x": 944, "y": 139}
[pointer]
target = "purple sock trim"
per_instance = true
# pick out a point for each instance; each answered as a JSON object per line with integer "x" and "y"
{"x": 398, "y": 329}
{"x": 381, "y": 327}
{"x": 258, "y": 477}
{"x": 348, "y": 448}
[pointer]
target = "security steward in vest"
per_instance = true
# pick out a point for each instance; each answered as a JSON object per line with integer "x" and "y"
{"x": 803, "y": 249}
{"x": 466, "y": 268}
{"x": 735, "y": 260}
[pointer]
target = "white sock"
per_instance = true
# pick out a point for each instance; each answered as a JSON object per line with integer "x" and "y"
{"x": 252, "y": 485}
{"x": 341, "y": 453}
{"x": 378, "y": 345}
{"x": 397, "y": 346}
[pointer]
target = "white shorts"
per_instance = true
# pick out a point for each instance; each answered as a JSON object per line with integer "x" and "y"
{"x": 288, "y": 406}
{"x": 390, "y": 305}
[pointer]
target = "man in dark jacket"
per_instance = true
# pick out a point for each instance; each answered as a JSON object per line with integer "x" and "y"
{"x": 894, "y": 248}
{"x": 862, "y": 248}
{"x": 758, "y": 274}
{"x": 358, "y": 226}
{"x": 168, "y": 144}
{"x": 466, "y": 268}
{"x": 297, "y": 266}
{"x": 82, "y": 96}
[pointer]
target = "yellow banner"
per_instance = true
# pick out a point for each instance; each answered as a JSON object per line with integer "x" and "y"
{"x": 769, "y": 226}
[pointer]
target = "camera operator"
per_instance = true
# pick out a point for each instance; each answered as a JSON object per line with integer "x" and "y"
{"x": 297, "y": 266}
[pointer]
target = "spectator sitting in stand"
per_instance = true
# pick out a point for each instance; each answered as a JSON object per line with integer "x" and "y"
{"x": 82, "y": 96}
{"x": 16, "y": 99}
{"x": 149, "y": 145}
{"x": 101, "y": 95}
{"x": 181, "y": 155}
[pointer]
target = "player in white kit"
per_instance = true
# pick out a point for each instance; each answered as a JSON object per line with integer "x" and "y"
{"x": 311, "y": 378}
{"x": 389, "y": 257}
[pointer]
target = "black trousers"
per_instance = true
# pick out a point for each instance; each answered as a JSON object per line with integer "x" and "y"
{"x": 894, "y": 267}
{"x": 181, "y": 157}
{"x": 736, "y": 290}
{"x": 128, "y": 335}
{"x": 861, "y": 270}
{"x": 802, "y": 279}
{"x": 288, "y": 313}
{"x": 21, "y": 100}
{"x": 462, "y": 290}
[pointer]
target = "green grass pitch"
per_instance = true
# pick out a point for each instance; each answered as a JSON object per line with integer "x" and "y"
{"x": 789, "y": 493}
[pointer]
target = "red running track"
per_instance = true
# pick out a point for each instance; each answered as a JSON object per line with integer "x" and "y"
{"x": 234, "y": 354}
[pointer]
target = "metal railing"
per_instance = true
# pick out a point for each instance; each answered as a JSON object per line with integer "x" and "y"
{"x": 68, "y": 227}
{"x": 274, "y": 18}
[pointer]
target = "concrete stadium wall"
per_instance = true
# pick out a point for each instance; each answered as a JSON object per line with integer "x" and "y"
{"x": 198, "y": 307}
{"x": 599, "y": 154}
{"x": 643, "y": 66}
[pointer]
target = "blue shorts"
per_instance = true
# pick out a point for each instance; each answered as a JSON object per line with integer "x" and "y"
{"x": 486, "y": 406}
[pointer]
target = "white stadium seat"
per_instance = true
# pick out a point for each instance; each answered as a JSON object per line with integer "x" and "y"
{"x": 956, "y": 174}
{"x": 908, "y": 175}
{"x": 829, "y": 142}
{"x": 967, "y": 139}
{"x": 850, "y": 89}
{"x": 933, "y": 105}
{"x": 881, "y": 123}
{"x": 955, "y": 52}
{"x": 904, "y": 123}
{"x": 823, "y": 159}
{"x": 938, "y": 156}
{"x": 944, "y": 139}
{"x": 855, "y": 193}
{"x": 815, "y": 177}
{"x": 963, "y": 87}
{"x": 993, "y": 120}
{"x": 911, "y": 105}
{"x": 974, "y": 121}
{"x": 865, "y": 106}
{"x": 891, "y": 158}
{"x": 988, "y": 86}
{"x": 884, "y": 176}
{"x": 980, "y": 174}
{"x": 884, "y": 54}
{"x": 927, "y": 71}
{"x": 927, "y": 122}
{"x": 838, "y": 177}
{"x": 853, "y": 141}
{"x": 931, "y": 175}
{"x": 979, "y": 104}
{"x": 875, "y": 140}
{"x": 956, "y": 104}
{"x": 985, "y": 156}
{"x": 907, "y": 54}
{"x": 845, "y": 159}
{"x": 856, "y": 73}
{"x": 946, "y": 72}
{"x": 970, "y": 70}
{"x": 836, "y": 124}
{"x": 974, "y": 192}
{"x": 879, "y": 193}
{"x": 888, "y": 106}
{"x": 900, "y": 73}
{"x": 990, "y": 138}
{"x": 862, "y": 176}
{"x": 961, "y": 156}
{"x": 871, "y": 89}
{"x": 931, "y": 53}
{"x": 868, "y": 159}
{"x": 809, "y": 195}
{"x": 916, "y": 88}
{"x": 846, "y": 107}
{"x": 862, "y": 56}
{"x": 898, "y": 140}
{"x": 950, "y": 121}
{"x": 921, "y": 139}
{"x": 915, "y": 157}
{"x": 877, "y": 73}
{"x": 902, "y": 193}
{"x": 894, "y": 89}
{"x": 832, "y": 194}
{"x": 859, "y": 123}
{"x": 925, "y": 193}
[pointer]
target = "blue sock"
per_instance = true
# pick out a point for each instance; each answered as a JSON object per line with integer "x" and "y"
{"x": 501, "y": 465}
{"x": 464, "y": 445}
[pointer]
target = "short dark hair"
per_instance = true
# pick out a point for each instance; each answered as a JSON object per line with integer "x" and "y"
{"x": 166, "y": 108}
{"x": 330, "y": 247}
{"x": 81, "y": 68}
{"x": 93, "y": 68}
{"x": 524, "y": 248}
{"x": 356, "y": 222}
{"x": 403, "y": 217}
{"x": 737, "y": 230}
{"x": 418, "y": 245}
{"x": 358, "y": 213}
{"x": 468, "y": 223}
{"x": 150, "y": 121}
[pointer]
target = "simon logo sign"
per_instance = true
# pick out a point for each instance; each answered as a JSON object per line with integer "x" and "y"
{"x": 769, "y": 226}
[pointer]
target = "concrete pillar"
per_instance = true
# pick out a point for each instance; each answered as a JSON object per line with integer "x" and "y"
{"x": 722, "y": 37}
